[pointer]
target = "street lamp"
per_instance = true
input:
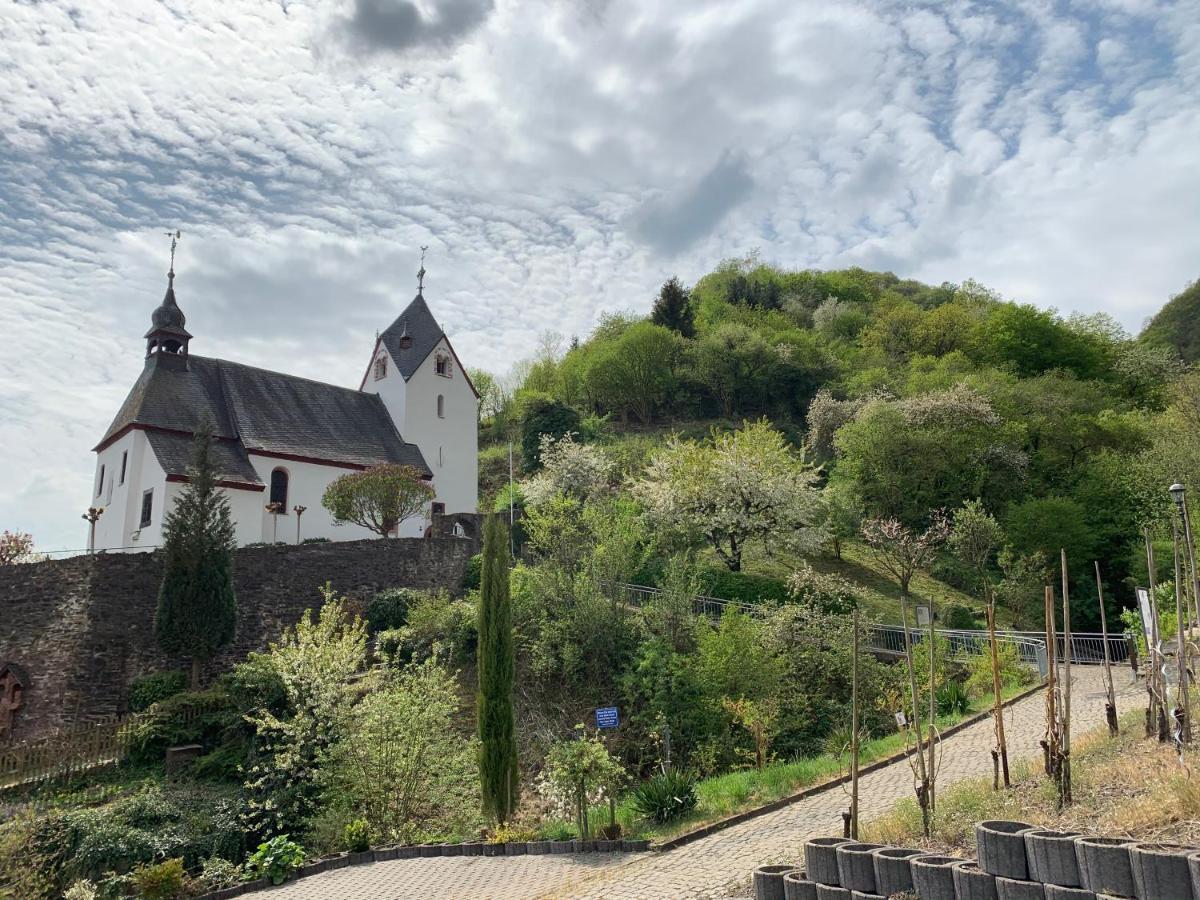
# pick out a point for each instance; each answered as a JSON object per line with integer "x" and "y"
{"x": 299, "y": 511}
{"x": 92, "y": 515}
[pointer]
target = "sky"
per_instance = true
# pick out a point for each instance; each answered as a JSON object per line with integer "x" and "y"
{"x": 559, "y": 159}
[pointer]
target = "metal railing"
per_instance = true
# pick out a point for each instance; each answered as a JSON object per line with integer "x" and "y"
{"x": 1031, "y": 650}
{"x": 1087, "y": 649}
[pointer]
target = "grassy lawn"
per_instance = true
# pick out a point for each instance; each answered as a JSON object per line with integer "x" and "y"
{"x": 1127, "y": 786}
{"x": 735, "y": 792}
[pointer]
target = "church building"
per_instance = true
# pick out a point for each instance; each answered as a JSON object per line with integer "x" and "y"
{"x": 281, "y": 439}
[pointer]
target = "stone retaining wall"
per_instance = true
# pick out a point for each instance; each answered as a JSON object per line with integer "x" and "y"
{"x": 81, "y": 629}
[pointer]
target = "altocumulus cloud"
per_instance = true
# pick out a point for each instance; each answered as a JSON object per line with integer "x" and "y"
{"x": 674, "y": 222}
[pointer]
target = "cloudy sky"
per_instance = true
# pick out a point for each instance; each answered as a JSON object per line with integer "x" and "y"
{"x": 559, "y": 158}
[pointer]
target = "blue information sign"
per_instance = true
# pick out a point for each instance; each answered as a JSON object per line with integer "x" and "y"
{"x": 606, "y": 717}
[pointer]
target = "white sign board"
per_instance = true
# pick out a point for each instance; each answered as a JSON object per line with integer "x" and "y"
{"x": 901, "y": 720}
{"x": 1143, "y": 597}
{"x": 922, "y": 616}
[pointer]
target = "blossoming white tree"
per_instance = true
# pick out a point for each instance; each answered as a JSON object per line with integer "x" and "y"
{"x": 570, "y": 469}
{"x": 742, "y": 486}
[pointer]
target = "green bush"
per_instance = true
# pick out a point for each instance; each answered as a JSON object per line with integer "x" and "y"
{"x": 163, "y": 881}
{"x": 1013, "y": 672}
{"x": 275, "y": 859}
{"x": 219, "y": 873}
{"x": 389, "y": 609}
{"x": 665, "y": 797}
{"x": 149, "y": 689}
{"x": 199, "y": 717}
{"x": 358, "y": 836}
{"x": 952, "y": 699}
{"x": 742, "y": 587}
{"x": 958, "y": 617}
{"x": 472, "y": 576}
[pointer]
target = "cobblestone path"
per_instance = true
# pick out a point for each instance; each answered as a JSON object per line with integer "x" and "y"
{"x": 717, "y": 865}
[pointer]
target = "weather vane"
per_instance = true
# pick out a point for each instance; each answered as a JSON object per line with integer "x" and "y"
{"x": 421, "y": 274}
{"x": 174, "y": 236}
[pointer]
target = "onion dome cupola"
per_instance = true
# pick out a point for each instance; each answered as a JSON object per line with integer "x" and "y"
{"x": 167, "y": 338}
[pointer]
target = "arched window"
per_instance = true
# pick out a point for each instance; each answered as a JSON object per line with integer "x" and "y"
{"x": 441, "y": 407}
{"x": 442, "y": 365}
{"x": 279, "y": 488}
{"x": 381, "y": 368}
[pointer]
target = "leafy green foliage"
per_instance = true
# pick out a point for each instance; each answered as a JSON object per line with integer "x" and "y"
{"x": 544, "y": 416}
{"x": 378, "y": 498}
{"x": 673, "y": 308}
{"x": 194, "y": 717}
{"x": 389, "y": 609}
{"x": 1176, "y": 324}
{"x": 150, "y": 689}
{"x": 953, "y": 699}
{"x": 275, "y": 859}
{"x": 579, "y": 774}
{"x": 665, "y": 797}
{"x": 197, "y": 609}
{"x": 358, "y": 836}
{"x": 473, "y": 576}
{"x": 744, "y": 587}
{"x": 498, "y": 774}
{"x": 160, "y": 881}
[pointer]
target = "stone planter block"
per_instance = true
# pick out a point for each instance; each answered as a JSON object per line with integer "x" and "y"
{"x": 314, "y": 868}
{"x": 1051, "y": 857}
{"x": 516, "y": 848}
{"x": 1019, "y": 889}
{"x": 637, "y": 846}
{"x": 832, "y": 892}
{"x": 581, "y": 845}
{"x": 338, "y": 862}
{"x": 474, "y": 848}
{"x": 562, "y": 846}
{"x": 493, "y": 849}
{"x": 892, "y": 872}
{"x": 796, "y": 886}
{"x": 538, "y": 848}
{"x": 933, "y": 877}
{"x": 856, "y": 866}
{"x": 972, "y": 883}
{"x": 604, "y": 845}
{"x": 768, "y": 881}
{"x": 1194, "y": 868}
{"x": 452, "y": 849}
{"x": 1161, "y": 871}
{"x": 360, "y": 857}
{"x": 820, "y": 860}
{"x": 235, "y": 891}
{"x": 429, "y": 850}
{"x": 385, "y": 854}
{"x": 409, "y": 851}
{"x": 1104, "y": 866}
{"x": 1059, "y": 892}
{"x": 1000, "y": 847}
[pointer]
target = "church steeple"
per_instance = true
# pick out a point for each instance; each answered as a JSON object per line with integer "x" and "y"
{"x": 167, "y": 340}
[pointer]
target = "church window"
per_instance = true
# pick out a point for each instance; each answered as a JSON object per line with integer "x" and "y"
{"x": 381, "y": 368}
{"x": 124, "y": 460}
{"x": 438, "y": 509}
{"x": 279, "y": 489}
{"x": 441, "y": 407}
{"x": 147, "y": 508}
{"x": 100, "y": 482}
{"x": 443, "y": 365}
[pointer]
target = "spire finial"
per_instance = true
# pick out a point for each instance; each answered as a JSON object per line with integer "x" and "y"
{"x": 174, "y": 236}
{"x": 421, "y": 273}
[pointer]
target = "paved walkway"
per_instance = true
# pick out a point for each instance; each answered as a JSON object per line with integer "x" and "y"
{"x": 717, "y": 865}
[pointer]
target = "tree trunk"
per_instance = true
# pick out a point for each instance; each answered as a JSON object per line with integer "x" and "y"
{"x": 195, "y": 673}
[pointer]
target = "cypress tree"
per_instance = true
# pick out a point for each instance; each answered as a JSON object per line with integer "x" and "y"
{"x": 496, "y": 720}
{"x": 197, "y": 608}
{"x": 673, "y": 308}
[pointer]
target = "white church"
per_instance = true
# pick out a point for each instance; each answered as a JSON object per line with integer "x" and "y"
{"x": 282, "y": 439}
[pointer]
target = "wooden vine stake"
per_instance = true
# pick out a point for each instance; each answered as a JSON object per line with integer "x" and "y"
{"x": 931, "y": 768}
{"x": 918, "y": 761}
{"x": 1050, "y": 741}
{"x": 998, "y": 707}
{"x": 1156, "y": 722}
{"x": 1065, "y": 744}
{"x": 1110, "y": 708}
{"x": 854, "y": 748}
{"x": 1183, "y": 712}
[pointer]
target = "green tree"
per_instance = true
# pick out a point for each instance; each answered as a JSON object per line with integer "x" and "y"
{"x": 378, "y": 498}
{"x": 673, "y": 308}
{"x": 543, "y": 415}
{"x": 634, "y": 373}
{"x": 498, "y": 774}
{"x": 975, "y": 536}
{"x": 745, "y": 485}
{"x": 197, "y": 607}
{"x": 1046, "y": 525}
{"x": 1177, "y": 324}
{"x": 735, "y": 364}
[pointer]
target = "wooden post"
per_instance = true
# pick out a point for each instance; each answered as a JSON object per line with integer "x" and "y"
{"x": 998, "y": 706}
{"x": 1157, "y": 685}
{"x": 1052, "y": 674}
{"x": 1110, "y": 709}
{"x": 854, "y": 749}
{"x": 922, "y": 781}
{"x": 931, "y": 768}
{"x": 1185, "y": 721}
{"x": 1068, "y": 652}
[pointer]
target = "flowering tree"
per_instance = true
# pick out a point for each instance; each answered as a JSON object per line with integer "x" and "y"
{"x": 378, "y": 498}
{"x": 15, "y": 547}
{"x": 902, "y": 550}
{"x": 571, "y": 469}
{"x": 579, "y": 774}
{"x": 744, "y": 485}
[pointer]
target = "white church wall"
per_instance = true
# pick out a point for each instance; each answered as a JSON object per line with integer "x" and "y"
{"x": 449, "y": 442}
{"x": 121, "y": 498}
{"x": 391, "y": 388}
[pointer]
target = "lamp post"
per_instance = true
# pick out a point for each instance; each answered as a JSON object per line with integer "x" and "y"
{"x": 92, "y": 515}
{"x": 274, "y": 508}
{"x": 299, "y": 511}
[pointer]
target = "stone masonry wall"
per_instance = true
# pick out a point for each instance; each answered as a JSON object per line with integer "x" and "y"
{"x": 83, "y": 628}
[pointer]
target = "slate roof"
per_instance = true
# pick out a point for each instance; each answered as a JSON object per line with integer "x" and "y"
{"x": 257, "y": 410}
{"x": 424, "y": 330}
